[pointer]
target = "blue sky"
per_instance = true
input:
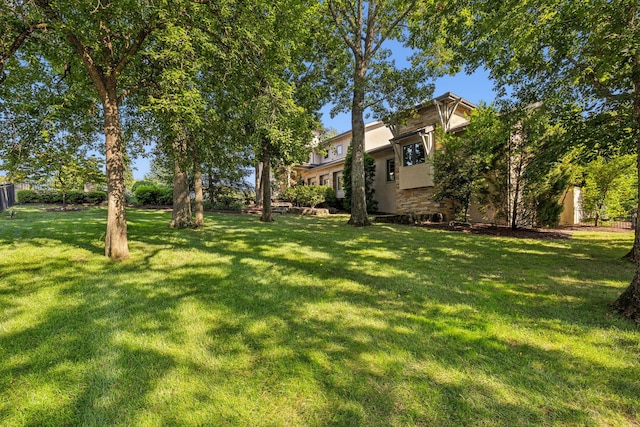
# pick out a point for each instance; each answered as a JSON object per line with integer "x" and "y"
{"x": 475, "y": 88}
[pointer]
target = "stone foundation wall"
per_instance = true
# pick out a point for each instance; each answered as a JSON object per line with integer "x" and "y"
{"x": 419, "y": 201}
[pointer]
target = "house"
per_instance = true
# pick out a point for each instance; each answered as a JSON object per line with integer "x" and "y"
{"x": 403, "y": 151}
{"x": 326, "y": 163}
{"x": 414, "y": 144}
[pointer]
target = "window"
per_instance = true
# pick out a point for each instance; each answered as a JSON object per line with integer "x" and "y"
{"x": 324, "y": 180}
{"x": 337, "y": 181}
{"x": 338, "y": 150}
{"x": 391, "y": 170}
{"x": 413, "y": 154}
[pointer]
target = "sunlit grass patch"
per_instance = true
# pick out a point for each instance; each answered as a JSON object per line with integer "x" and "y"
{"x": 308, "y": 321}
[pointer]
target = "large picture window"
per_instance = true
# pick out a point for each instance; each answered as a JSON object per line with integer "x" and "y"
{"x": 413, "y": 154}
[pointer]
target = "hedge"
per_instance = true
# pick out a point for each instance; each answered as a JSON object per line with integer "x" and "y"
{"x": 50, "y": 197}
{"x": 154, "y": 195}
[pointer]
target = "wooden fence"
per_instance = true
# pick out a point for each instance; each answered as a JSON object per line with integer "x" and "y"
{"x": 7, "y": 196}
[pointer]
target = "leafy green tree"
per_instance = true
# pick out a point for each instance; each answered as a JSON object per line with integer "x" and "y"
{"x": 364, "y": 76}
{"x": 547, "y": 182}
{"x": 571, "y": 54}
{"x": 608, "y": 188}
{"x": 279, "y": 98}
{"x": 501, "y": 161}
{"x": 106, "y": 42}
{"x": 457, "y": 170}
{"x": 369, "y": 176}
{"x": 46, "y": 139}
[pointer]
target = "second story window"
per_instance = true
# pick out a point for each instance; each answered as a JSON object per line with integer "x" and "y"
{"x": 413, "y": 154}
{"x": 339, "y": 150}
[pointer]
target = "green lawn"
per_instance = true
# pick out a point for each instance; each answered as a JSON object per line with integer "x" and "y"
{"x": 309, "y": 322}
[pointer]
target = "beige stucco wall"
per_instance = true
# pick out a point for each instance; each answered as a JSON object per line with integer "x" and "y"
{"x": 416, "y": 176}
{"x": 314, "y": 176}
{"x": 377, "y": 135}
{"x": 481, "y": 213}
{"x": 385, "y": 191}
{"x": 571, "y": 202}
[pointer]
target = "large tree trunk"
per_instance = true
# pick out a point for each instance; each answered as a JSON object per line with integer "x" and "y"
{"x": 259, "y": 184}
{"x": 265, "y": 179}
{"x": 634, "y": 254}
{"x": 628, "y": 304}
{"x": 197, "y": 187}
{"x": 181, "y": 216}
{"x": 116, "y": 244}
{"x": 359, "y": 215}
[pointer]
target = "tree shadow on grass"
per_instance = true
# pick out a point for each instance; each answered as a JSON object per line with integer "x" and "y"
{"x": 171, "y": 337}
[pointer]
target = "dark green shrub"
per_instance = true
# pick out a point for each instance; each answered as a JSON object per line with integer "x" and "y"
{"x": 331, "y": 199}
{"x": 50, "y": 197}
{"x": 229, "y": 202}
{"x": 154, "y": 195}
{"x": 309, "y": 195}
{"x": 130, "y": 197}
{"x": 75, "y": 197}
{"x": 95, "y": 197}
{"x": 28, "y": 196}
{"x": 166, "y": 196}
{"x": 146, "y": 194}
{"x": 142, "y": 183}
{"x": 290, "y": 195}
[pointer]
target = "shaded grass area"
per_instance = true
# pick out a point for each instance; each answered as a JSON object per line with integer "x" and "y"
{"x": 308, "y": 321}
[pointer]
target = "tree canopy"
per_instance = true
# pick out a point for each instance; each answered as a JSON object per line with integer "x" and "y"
{"x": 573, "y": 55}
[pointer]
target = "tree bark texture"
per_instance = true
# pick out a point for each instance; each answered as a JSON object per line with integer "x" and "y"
{"x": 628, "y": 303}
{"x": 181, "y": 216}
{"x": 359, "y": 215}
{"x": 116, "y": 243}
{"x": 259, "y": 184}
{"x": 265, "y": 183}
{"x": 197, "y": 186}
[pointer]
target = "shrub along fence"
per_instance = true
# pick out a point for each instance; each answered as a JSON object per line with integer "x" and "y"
{"x": 73, "y": 197}
{"x": 7, "y": 196}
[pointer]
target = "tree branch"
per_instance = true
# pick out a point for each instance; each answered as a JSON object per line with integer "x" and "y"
{"x": 341, "y": 28}
{"x": 95, "y": 72}
{"x": 393, "y": 26}
{"x": 133, "y": 49}
{"x": 130, "y": 89}
{"x": 589, "y": 74}
{"x": 20, "y": 39}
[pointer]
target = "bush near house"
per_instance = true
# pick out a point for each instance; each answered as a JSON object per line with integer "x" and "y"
{"x": 309, "y": 195}
{"x": 52, "y": 197}
{"x": 154, "y": 195}
{"x": 228, "y": 203}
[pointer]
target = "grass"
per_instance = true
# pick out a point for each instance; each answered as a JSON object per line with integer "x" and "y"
{"x": 309, "y": 322}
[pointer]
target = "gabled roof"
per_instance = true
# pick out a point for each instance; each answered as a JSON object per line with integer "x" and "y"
{"x": 450, "y": 96}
